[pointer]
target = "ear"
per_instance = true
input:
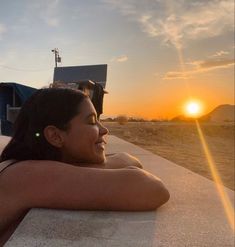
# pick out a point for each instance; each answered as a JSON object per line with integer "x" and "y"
{"x": 54, "y": 136}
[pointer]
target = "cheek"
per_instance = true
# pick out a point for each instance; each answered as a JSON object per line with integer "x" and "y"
{"x": 93, "y": 136}
{"x": 89, "y": 135}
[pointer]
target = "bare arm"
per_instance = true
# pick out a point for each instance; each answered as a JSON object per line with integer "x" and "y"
{"x": 122, "y": 160}
{"x": 52, "y": 184}
{"x": 115, "y": 161}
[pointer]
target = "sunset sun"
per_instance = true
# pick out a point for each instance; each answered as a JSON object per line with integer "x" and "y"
{"x": 193, "y": 108}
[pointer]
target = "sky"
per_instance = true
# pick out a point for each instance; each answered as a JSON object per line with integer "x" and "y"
{"x": 160, "y": 53}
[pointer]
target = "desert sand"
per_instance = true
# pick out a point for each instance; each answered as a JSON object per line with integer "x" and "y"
{"x": 180, "y": 143}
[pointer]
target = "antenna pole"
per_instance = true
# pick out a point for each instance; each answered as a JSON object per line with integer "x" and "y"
{"x": 57, "y": 57}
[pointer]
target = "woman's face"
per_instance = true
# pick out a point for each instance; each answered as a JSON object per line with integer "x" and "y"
{"x": 84, "y": 141}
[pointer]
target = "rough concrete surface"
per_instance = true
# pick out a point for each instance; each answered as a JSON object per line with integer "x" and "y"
{"x": 194, "y": 216}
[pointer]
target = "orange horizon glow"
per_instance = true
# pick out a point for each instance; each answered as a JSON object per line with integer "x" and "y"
{"x": 157, "y": 105}
{"x": 163, "y": 110}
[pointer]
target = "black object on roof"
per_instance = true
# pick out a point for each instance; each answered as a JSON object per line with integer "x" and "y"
{"x": 22, "y": 91}
{"x": 12, "y": 97}
{"x": 96, "y": 73}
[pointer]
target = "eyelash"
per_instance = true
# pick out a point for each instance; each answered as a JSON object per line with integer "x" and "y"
{"x": 94, "y": 122}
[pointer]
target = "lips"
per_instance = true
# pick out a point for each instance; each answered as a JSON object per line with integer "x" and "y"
{"x": 101, "y": 144}
{"x": 101, "y": 141}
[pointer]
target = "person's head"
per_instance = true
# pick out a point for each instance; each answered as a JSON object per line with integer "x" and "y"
{"x": 57, "y": 124}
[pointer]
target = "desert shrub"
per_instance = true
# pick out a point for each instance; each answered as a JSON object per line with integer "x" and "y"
{"x": 122, "y": 119}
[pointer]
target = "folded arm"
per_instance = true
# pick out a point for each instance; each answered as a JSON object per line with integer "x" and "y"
{"x": 115, "y": 161}
{"x": 50, "y": 184}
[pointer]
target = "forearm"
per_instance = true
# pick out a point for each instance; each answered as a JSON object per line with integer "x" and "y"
{"x": 106, "y": 189}
{"x": 116, "y": 161}
{"x": 122, "y": 160}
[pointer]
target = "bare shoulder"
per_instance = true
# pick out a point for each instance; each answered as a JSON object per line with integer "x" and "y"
{"x": 54, "y": 184}
{"x": 31, "y": 171}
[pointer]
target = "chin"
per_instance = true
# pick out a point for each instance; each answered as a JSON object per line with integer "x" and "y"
{"x": 99, "y": 159}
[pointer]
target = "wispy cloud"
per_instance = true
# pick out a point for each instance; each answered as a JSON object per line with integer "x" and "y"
{"x": 47, "y": 11}
{"x": 125, "y": 7}
{"x": 52, "y": 21}
{"x": 220, "y": 53}
{"x": 177, "y": 22}
{"x": 148, "y": 26}
{"x": 3, "y": 29}
{"x": 120, "y": 59}
{"x": 50, "y": 16}
{"x": 200, "y": 67}
{"x": 176, "y": 75}
{"x": 214, "y": 64}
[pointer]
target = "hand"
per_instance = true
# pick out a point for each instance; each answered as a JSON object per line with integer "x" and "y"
{"x": 121, "y": 160}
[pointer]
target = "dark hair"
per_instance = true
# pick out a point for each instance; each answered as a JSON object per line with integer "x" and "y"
{"x": 51, "y": 106}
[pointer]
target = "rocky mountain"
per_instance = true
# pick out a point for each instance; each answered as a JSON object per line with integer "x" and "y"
{"x": 222, "y": 113}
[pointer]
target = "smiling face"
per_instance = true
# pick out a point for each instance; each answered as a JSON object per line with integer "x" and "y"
{"x": 84, "y": 142}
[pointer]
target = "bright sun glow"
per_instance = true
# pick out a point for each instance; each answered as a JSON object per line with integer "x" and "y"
{"x": 193, "y": 108}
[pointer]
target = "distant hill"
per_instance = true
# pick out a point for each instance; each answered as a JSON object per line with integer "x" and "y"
{"x": 222, "y": 113}
{"x": 182, "y": 118}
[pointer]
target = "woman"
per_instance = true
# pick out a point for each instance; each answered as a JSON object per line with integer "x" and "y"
{"x": 56, "y": 159}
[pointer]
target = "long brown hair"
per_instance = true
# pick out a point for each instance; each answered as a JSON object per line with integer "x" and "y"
{"x": 51, "y": 106}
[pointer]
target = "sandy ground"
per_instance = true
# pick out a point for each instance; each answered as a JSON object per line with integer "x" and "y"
{"x": 180, "y": 143}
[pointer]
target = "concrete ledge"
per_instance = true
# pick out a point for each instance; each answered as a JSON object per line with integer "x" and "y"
{"x": 194, "y": 216}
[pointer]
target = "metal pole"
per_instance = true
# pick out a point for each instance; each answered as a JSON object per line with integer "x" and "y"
{"x": 55, "y": 58}
{"x": 55, "y": 51}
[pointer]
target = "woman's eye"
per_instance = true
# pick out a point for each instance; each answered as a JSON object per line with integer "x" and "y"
{"x": 92, "y": 121}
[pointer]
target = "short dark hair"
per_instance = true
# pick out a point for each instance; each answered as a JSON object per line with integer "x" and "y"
{"x": 50, "y": 106}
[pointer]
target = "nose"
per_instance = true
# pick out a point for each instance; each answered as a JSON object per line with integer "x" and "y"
{"x": 102, "y": 129}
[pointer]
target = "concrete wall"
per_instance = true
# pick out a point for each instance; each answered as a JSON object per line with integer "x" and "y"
{"x": 193, "y": 217}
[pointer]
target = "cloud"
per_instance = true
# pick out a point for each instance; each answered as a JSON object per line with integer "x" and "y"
{"x": 120, "y": 59}
{"x": 220, "y": 53}
{"x": 125, "y": 7}
{"x": 177, "y": 22}
{"x": 48, "y": 11}
{"x": 214, "y": 64}
{"x": 53, "y": 22}
{"x": 200, "y": 67}
{"x": 3, "y": 29}
{"x": 50, "y": 15}
{"x": 176, "y": 75}
{"x": 149, "y": 27}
